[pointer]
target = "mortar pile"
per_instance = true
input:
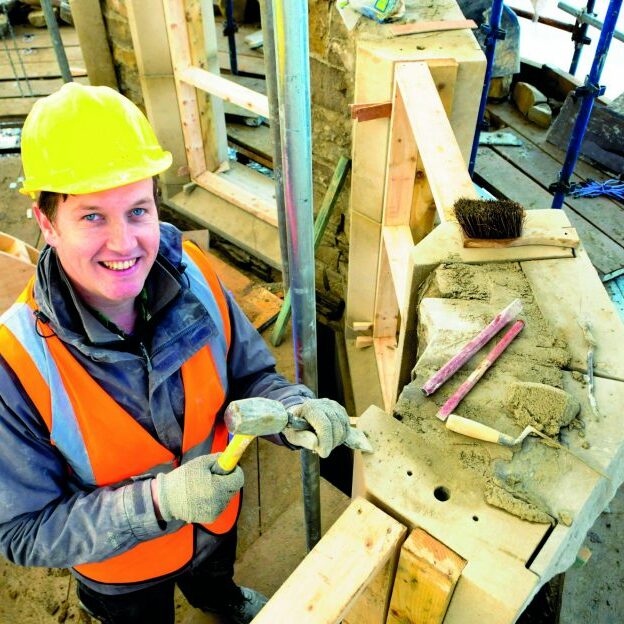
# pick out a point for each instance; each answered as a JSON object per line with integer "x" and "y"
{"x": 527, "y": 385}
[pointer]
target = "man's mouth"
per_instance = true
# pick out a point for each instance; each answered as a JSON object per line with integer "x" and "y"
{"x": 119, "y": 265}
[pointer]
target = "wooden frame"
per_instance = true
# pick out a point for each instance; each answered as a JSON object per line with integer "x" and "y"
{"x": 236, "y": 184}
{"x": 425, "y": 175}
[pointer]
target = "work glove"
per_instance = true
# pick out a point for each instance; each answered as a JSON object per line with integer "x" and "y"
{"x": 196, "y": 492}
{"x": 329, "y": 423}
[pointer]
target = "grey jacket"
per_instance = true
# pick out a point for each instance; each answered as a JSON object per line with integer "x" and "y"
{"x": 48, "y": 518}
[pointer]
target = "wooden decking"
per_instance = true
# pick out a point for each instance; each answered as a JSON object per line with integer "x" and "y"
{"x": 524, "y": 173}
{"x": 29, "y": 69}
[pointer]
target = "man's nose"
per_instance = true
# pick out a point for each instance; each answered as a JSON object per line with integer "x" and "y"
{"x": 121, "y": 238}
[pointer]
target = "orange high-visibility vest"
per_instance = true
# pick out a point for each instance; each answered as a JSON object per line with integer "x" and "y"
{"x": 101, "y": 442}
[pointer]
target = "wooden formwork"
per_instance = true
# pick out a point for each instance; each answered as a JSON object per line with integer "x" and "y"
{"x": 18, "y": 262}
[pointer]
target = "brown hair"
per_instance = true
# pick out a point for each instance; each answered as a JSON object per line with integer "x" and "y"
{"x": 48, "y": 201}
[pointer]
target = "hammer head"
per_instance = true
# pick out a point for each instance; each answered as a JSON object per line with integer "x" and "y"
{"x": 256, "y": 416}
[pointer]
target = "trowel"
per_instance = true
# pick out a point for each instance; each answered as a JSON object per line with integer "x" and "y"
{"x": 479, "y": 431}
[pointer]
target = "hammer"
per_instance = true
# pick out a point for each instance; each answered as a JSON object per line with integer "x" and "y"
{"x": 249, "y": 418}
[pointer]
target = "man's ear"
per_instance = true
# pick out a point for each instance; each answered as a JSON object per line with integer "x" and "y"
{"x": 47, "y": 227}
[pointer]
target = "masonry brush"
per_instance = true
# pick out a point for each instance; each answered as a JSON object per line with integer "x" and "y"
{"x": 500, "y": 223}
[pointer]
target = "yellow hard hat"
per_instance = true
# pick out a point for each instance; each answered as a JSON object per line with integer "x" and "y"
{"x": 85, "y": 139}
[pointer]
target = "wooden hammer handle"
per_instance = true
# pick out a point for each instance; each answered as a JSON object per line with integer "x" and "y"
{"x": 229, "y": 458}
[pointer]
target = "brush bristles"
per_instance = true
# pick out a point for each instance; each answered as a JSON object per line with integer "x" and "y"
{"x": 490, "y": 219}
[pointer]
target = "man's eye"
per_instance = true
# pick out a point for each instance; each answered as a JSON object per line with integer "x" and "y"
{"x": 91, "y": 217}
{"x": 137, "y": 212}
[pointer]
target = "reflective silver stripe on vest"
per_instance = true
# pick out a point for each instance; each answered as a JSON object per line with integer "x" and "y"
{"x": 65, "y": 432}
{"x": 201, "y": 289}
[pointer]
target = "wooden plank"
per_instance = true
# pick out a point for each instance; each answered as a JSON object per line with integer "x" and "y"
{"x": 425, "y": 580}
{"x": 38, "y": 70}
{"x": 509, "y": 182}
{"x": 229, "y": 188}
{"x": 148, "y": 29}
{"x": 204, "y": 54}
{"x": 227, "y": 90}
{"x": 39, "y": 88}
{"x": 398, "y": 243}
{"x": 187, "y": 97}
{"x": 386, "y": 358}
{"x": 400, "y": 166}
{"x": 372, "y": 605}
{"x": 89, "y": 24}
{"x": 606, "y": 215}
{"x": 414, "y": 28}
{"x": 385, "y": 321}
{"x": 258, "y": 304}
{"x": 442, "y": 159}
{"x": 38, "y": 55}
{"x": 423, "y": 210}
{"x": 17, "y": 265}
{"x": 366, "y": 112}
{"x": 328, "y": 581}
{"x": 236, "y": 225}
{"x": 30, "y": 37}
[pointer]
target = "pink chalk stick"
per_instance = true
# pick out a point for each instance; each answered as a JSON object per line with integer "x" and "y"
{"x": 457, "y": 361}
{"x": 477, "y": 373}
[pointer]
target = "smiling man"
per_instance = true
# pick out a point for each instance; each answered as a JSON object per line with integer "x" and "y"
{"x": 116, "y": 364}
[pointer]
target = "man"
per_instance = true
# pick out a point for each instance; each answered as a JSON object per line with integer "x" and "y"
{"x": 116, "y": 364}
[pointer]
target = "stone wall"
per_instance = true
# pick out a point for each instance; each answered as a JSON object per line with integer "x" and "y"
{"x": 332, "y": 71}
{"x": 116, "y": 19}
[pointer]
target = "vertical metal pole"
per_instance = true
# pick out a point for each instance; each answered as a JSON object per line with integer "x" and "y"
{"x": 268, "y": 44}
{"x": 293, "y": 81}
{"x": 589, "y": 92}
{"x": 580, "y": 37}
{"x": 57, "y": 42}
{"x": 230, "y": 30}
{"x": 494, "y": 33}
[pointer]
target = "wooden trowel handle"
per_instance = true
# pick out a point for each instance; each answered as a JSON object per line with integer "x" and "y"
{"x": 476, "y": 430}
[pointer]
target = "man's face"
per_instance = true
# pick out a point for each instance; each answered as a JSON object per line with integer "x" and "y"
{"x": 107, "y": 243}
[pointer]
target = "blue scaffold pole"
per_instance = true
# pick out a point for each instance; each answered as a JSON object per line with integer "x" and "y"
{"x": 588, "y": 92}
{"x": 493, "y": 34}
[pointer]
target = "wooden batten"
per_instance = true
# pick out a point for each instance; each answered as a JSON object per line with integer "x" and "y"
{"x": 443, "y": 162}
{"x": 18, "y": 262}
{"x": 187, "y": 97}
{"x": 226, "y": 90}
{"x": 233, "y": 191}
{"x": 425, "y": 580}
{"x": 329, "y": 580}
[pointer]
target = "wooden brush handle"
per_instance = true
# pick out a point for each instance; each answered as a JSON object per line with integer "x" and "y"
{"x": 561, "y": 237}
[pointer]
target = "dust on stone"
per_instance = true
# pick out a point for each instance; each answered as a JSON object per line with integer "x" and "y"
{"x": 531, "y": 366}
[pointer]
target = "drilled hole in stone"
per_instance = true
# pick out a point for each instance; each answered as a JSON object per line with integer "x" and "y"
{"x": 409, "y": 473}
{"x": 475, "y": 518}
{"x": 442, "y": 493}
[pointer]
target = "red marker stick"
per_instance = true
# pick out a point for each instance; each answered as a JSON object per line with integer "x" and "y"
{"x": 479, "y": 341}
{"x": 478, "y": 372}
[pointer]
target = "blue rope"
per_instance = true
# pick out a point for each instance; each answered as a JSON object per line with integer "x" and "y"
{"x": 591, "y": 188}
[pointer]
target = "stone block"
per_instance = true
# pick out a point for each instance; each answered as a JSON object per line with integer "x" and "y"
{"x": 541, "y": 115}
{"x": 526, "y": 96}
{"x": 318, "y": 15}
{"x": 330, "y": 88}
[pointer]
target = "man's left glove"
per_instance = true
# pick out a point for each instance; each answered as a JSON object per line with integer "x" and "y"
{"x": 329, "y": 422}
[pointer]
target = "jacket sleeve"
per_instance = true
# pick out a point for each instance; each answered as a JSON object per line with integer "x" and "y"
{"x": 47, "y": 520}
{"x": 251, "y": 366}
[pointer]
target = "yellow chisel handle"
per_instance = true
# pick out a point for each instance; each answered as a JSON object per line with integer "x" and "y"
{"x": 229, "y": 458}
{"x": 476, "y": 430}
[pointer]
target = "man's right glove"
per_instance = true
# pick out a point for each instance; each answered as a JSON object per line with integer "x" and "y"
{"x": 196, "y": 492}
